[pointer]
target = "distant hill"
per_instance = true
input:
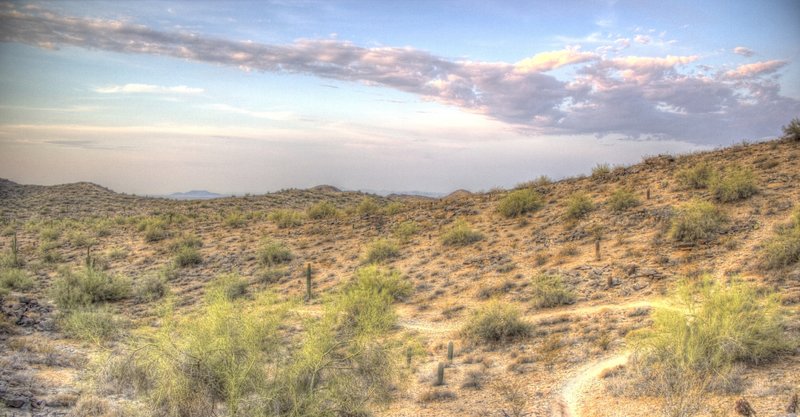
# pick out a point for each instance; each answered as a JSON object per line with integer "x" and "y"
{"x": 195, "y": 195}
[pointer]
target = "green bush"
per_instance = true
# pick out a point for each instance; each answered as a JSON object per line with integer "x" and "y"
{"x": 623, "y": 199}
{"x": 792, "y": 130}
{"x": 496, "y": 322}
{"x": 392, "y": 208}
{"x": 50, "y": 233}
{"x": 461, "y": 234}
{"x": 273, "y": 253}
{"x": 185, "y": 241}
{"x": 322, "y": 210}
{"x": 519, "y": 202}
{"x": 405, "y": 230}
{"x": 188, "y": 256}
{"x": 367, "y": 207}
{"x": 235, "y": 219}
{"x": 91, "y": 324}
{"x": 601, "y": 170}
{"x": 696, "y": 177}
{"x": 381, "y": 250}
{"x": 154, "y": 229}
{"x": 783, "y": 249}
{"x": 711, "y": 326}
{"x": 230, "y": 286}
{"x": 737, "y": 183}
{"x": 285, "y": 218}
{"x": 15, "y": 279}
{"x": 88, "y": 286}
{"x": 578, "y": 206}
{"x": 696, "y": 221}
{"x": 549, "y": 290}
{"x": 150, "y": 288}
{"x": 377, "y": 280}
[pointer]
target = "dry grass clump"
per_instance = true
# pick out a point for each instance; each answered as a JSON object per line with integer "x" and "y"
{"x": 549, "y": 290}
{"x": 696, "y": 177}
{"x": 285, "y": 218}
{"x": 601, "y": 170}
{"x": 461, "y": 234}
{"x": 496, "y": 322}
{"x": 519, "y": 202}
{"x": 783, "y": 249}
{"x": 381, "y": 250}
{"x": 273, "y": 252}
{"x": 92, "y": 324}
{"x": 368, "y": 206}
{"x": 578, "y": 206}
{"x": 14, "y": 279}
{"x": 374, "y": 279}
{"x": 405, "y": 231}
{"x": 322, "y": 210}
{"x": 622, "y": 199}
{"x": 737, "y": 183}
{"x": 154, "y": 229}
{"x": 696, "y": 221}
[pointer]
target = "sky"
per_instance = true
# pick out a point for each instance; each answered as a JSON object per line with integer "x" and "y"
{"x": 154, "y": 97}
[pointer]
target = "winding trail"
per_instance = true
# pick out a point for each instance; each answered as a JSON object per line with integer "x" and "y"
{"x": 568, "y": 403}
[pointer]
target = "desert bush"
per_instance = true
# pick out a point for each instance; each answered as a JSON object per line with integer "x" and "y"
{"x": 285, "y": 218}
{"x": 623, "y": 199}
{"x": 15, "y": 279}
{"x": 50, "y": 233}
{"x": 187, "y": 240}
{"x": 48, "y": 253}
{"x": 91, "y": 324}
{"x": 549, "y": 290}
{"x": 496, "y": 322}
{"x": 231, "y": 286}
{"x": 150, "y": 288}
{"x": 88, "y": 286}
{"x": 322, "y": 210}
{"x": 737, "y": 183}
{"x": 79, "y": 239}
{"x": 519, "y": 202}
{"x": 783, "y": 249}
{"x": 235, "y": 219}
{"x": 461, "y": 234}
{"x": 392, "y": 208}
{"x": 273, "y": 252}
{"x": 601, "y": 170}
{"x": 405, "y": 230}
{"x": 368, "y": 206}
{"x": 696, "y": 221}
{"x": 540, "y": 182}
{"x": 188, "y": 256}
{"x": 154, "y": 229}
{"x": 378, "y": 280}
{"x": 578, "y": 206}
{"x": 696, "y": 177}
{"x": 709, "y": 328}
{"x": 381, "y": 250}
{"x": 792, "y": 130}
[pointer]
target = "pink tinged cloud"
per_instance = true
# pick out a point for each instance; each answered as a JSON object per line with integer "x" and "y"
{"x": 634, "y": 96}
{"x": 147, "y": 89}
{"x": 743, "y": 51}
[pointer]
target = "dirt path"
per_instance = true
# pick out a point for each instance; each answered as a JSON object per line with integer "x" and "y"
{"x": 568, "y": 403}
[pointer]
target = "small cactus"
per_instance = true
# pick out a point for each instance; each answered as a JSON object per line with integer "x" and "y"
{"x": 440, "y": 374}
{"x": 409, "y": 355}
{"x": 15, "y": 250}
{"x": 308, "y": 282}
{"x": 597, "y": 249}
{"x": 450, "y": 351}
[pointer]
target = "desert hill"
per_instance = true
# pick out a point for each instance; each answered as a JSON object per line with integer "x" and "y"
{"x": 613, "y": 240}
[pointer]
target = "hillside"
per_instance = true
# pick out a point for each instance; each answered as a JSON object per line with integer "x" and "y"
{"x": 617, "y": 256}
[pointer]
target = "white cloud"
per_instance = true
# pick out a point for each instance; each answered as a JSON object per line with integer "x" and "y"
{"x": 756, "y": 69}
{"x": 270, "y": 115}
{"x": 147, "y": 89}
{"x": 743, "y": 51}
{"x": 642, "y": 39}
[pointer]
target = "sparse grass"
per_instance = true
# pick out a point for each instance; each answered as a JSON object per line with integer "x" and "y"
{"x": 88, "y": 286}
{"x": 381, "y": 250}
{"x": 461, "y": 234}
{"x": 374, "y": 279}
{"x": 737, "y": 183}
{"x": 322, "y": 210}
{"x": 405, "y": 231}
{"x": 235, "y": 219}
{"x": 783, "y": 249}
{"x": 273, "y": 252}
{"x": 519, "y": 202}
{"x": 696, "y": 221}
{"x": 15, "y": 279}
{"x": 696, "y": 177}
{"x": 578, "y": 206}
{"x": 601, "y": 170}
{"x": 496, "y": 322}
{"x": 91, "y": 324}
{"x": 231, "y": 286}
{"x": 622, "y": 199}
{"x": 285, "y": 218}
{"x": 549, "y": 290}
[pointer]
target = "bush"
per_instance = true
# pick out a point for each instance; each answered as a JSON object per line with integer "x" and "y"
{"x": 367, "y": 207}
{"x": 285, "y": 219}
{"x": 549, "y": 290}
{"x": 154, "y": 230}
{"x": 696, "y": 221}
{"x": 273, "y": 253}
{"x": 461, "y": 234}
{"x": 235, "y": 219}
{"x": 377, "y": 280}
{"x": 496, "y": 322}
{"x": 519, "y": 202}
{"x": 97, "y": 325}
{"x": 381, "y": 250}
{"x": 737, "y": 183}
{"x": 322, "y": 210}
{"x": 230, "y": 286}
{"x": 623, "y": 199}
{"x": 710, "y": 327}
{"x": 88, "y": 286}
{"x": 792, "y": 130}
{"x": 783, "y": 249}
{"x": 392, "y": 208}
{"x": 601, "y": 170}
{"x": 150, "y": 288}
{"x": 405, "y": 230}
{"x": 188, "y": 256}
{"x": 696, "y": 177}
{"x": 578, "y": 206}
{"x": 15, "y": 279}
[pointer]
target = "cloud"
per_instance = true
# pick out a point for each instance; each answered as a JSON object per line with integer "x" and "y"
{"x": 743, "y": 51}
{"x": 147, "y": 89}
{"x": 642, "y": 39}
{"x": 756, "y": 69}
{"x": 270, "y": 115}
{"x": 636, "y": 96}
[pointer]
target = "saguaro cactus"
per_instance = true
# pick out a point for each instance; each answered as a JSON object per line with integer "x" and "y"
{"x": 15, "y": 250}
{"x": 308, "y": 282}
{"x": 440, "y": 374}
{"x": 450, "y": 351}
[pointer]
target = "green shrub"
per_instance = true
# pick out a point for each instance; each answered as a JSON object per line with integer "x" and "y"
{"x": 48, "y": 253}
{"x": 285, "y": 218}
{"x": 381, "y": 250}
{"x": 696, "y": 221}
{"x": 188, "y": 256}
{"x": 405, "y": 230}
{"x": 392, "y": 208}
{"x": 461, "y": 234}
{"x": 231, "y": 286}
{"x": 549, "y": 290}
{"x": 235, "y": 219}
{"x": 185, "y": 241}
{"x": 97, "y": 325}
{"x": 273, "y": 253}
{"x": 150, "y": 288}
{"x": 601, "y": 170}
{"x": 154, "y": 230}
{"x": 377, "y": 280}
{"x": 50, "y": 233}
{"x": 710, "y": 327}
{"x": 792, "y": 130}
{"x": 496, "y": 322}
{"x": 15, "y": 279}
{"x": 737, "y": 183}
{"x": 87, "y": 286}
{"x": 322, "y": 210}
{"x": 79, "y": 239}
{"x": 623, "y": 199}
{"x": 783, "y": 249}
{"x": 578, "y": 206}
{"x": 696, "y": 177}
{"x": 519, "y": 202}
{"x": 367, "y": 207}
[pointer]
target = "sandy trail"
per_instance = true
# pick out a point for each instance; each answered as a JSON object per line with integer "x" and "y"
{"x": 568, "y": 403}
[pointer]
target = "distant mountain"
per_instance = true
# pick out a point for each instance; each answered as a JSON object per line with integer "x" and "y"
{"x": 195, "y": 195}
{"x": 393, "y": 193}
